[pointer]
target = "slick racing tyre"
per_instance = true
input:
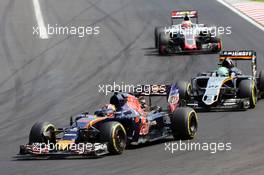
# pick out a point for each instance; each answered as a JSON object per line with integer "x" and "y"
{"x": 218, "y": 47}
{"x": 261, "y": 80}
{"x": 247, "y": 89}
{"x": 163, "y": 42}
{"x": 184, "y": 123}
{"x": 157, "y": 31}
{"x": 114, "y": 134}
{"x": 184, "y": 89}
{"x": 42, "y": 132}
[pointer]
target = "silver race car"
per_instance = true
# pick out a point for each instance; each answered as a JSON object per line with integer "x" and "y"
{"x": 227, "y": 87}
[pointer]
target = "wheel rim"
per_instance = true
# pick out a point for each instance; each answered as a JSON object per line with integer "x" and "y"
{"x": 254, "y": 97}
{"x": 192, "y": 124}
{"x": 48, "y": 134}
{"x": 189, "y": 89}
{"x": 120, "y": 139}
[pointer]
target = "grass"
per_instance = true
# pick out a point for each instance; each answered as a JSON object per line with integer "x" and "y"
{"x": 258, "y": 0}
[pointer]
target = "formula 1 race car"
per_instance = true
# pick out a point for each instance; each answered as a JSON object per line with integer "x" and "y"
{"x": 227, "y": 88}
{"x": 186, "y": 37}
{"x": 127, "y": 120}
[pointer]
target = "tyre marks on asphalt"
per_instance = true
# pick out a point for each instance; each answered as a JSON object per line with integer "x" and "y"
{"x": 7, "y": 44}
{"x": 113, "y": 25}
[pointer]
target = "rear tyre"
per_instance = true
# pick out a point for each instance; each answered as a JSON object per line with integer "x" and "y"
{"x": 114, "y": 134}
{"x": 184, "y": 89}
{"x": 42, "y": 132}
{"x": 184, "y": 123}
{"x": 247, "y": 89}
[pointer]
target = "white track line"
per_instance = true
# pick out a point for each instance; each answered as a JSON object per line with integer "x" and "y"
{"x": 241, "y": 14}
{"x": 42, "y": 28}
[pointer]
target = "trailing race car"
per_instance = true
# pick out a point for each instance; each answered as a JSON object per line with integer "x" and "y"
{"x": 226, "y": 88}
{"x": 186, "y": 37}
{"x": 127, "y": 120}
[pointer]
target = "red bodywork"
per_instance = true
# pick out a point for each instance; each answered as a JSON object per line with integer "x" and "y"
{"x": 190, "y": 42}
{"x": 133, "y": 103}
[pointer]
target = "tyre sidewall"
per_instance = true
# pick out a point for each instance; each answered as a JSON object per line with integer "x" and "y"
{"x": 181, "y": 123}
{"x": 247, "y": 89}
{"x": 37, "y": 130}
{"x": 107, "y": 135}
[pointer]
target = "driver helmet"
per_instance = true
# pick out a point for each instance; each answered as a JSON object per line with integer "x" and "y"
{"x": 142, "y": 101}
{"x": 228, "y": 63}
{"x": 108, "y": 110}
{"x": 222, "y": 72}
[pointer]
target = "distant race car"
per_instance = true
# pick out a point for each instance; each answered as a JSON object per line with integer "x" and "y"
{"x": 226, "y": 88}
{"x": 186, "y": 37}
{"x": 127, "y": 120}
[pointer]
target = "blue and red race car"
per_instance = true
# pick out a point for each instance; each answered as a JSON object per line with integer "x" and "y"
{"x": 127, "y": 120}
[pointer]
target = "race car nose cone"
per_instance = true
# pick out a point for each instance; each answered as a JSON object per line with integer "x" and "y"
{"x": 63, "y": 145}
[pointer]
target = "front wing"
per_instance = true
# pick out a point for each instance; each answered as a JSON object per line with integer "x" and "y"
{"x": 205, "y": 50}
{"x": 32, "y": 152}
{"x": 226, "y": 105}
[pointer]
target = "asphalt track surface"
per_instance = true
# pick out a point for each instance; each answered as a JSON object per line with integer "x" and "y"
{"x": 49, "y": 80}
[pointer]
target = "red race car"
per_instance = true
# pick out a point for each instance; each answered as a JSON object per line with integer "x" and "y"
{"x": 186, "y": 37}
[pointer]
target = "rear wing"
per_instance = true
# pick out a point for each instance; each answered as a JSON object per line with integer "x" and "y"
{"x": 238, "y": 55}
{"x": 171, "y": 92}
{"x": 181, "y": 14}
{"x": 250, "y": 55}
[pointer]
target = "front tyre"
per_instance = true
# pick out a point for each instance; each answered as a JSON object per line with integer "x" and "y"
{"x": 114, "y": 134}
{"x": 157, "y": 31}
{"x": 247, "y": 89}
{"x": 184, "y": 123}
{"x": 42, "y": 132}
{"x": 218, "y": 44}
{"x": 163, "y": 42}
{"x": 261, "y": 80}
